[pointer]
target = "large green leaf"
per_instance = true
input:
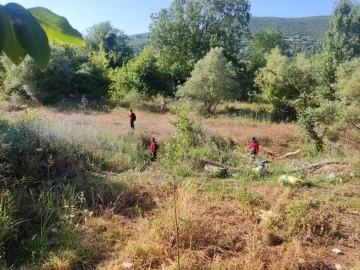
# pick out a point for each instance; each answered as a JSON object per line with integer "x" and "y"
{"x": 11, "y": 45}
{"x": 30, "y": 34}
{"x": 57, "y": 27}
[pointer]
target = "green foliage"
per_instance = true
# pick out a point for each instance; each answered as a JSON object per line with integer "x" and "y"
{"x": 29, "y": 33}
{"x": 262, "y": 43}
{"x": 342, "y": 40}
{"x": 12, "y": 47}
{"x": 347, "y": 89}
{"x": 211, "y": 81}
{"x": 141, "y": 74}
{"x": 104, "y": 37}
{"x": 139, "y": 42}
{"x": 22, "y": 34}
{"x": 310, "y": 28}
{"x": 187, "y": 30}
{"x": 92, "y": 76}
{"x": 43, "y": 199}
{"x": 46, "y": 87}
{"x": 57, "y": 27}
{"x": 8, "y": 209}
{"x": 277, "y": 81}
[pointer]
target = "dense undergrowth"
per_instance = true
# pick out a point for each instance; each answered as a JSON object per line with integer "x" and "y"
{"x": 48, "y": 186}
{"x": 76, "y": 198}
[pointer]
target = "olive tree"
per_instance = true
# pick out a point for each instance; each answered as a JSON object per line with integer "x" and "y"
{"x": 211, "y": 81}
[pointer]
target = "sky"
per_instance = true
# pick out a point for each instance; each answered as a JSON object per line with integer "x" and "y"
{"x": 133, "y": 16}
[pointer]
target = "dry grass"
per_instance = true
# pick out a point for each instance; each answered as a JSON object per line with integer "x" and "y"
{"x": 279, "y": 136}
{"x": 220, "y": 233}
{"x": 217, "y": 231}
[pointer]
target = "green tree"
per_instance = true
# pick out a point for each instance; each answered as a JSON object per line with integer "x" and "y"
{"x": 93, "y": 76}
{"x": 348, "y": 92}
{"x": 46, "y": 87}
{"x": 141, "y": 74}
{"x": 211, "y": 81}
{"x": 104, "y": 37}
{"x": 342, "y": 40}
{"x": 185, "y": 32}
{"x": 262, "y": 43}
{"x": 277, "y": 81}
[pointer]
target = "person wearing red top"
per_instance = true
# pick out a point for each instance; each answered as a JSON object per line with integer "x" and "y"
{"x": 153, "y": 147}
{"x": 254, "y": 147}
{"x": 132, "y": 119}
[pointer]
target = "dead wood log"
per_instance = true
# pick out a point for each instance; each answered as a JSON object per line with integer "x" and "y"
{"x": 216, "y": 170}
{"x": 317, "y": 165}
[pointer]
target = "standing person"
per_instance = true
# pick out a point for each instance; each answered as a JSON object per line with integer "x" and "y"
{"x": 163, "y": 105}
{"x": 132, "y": 117}
{"x": 83, "y": 102}
{"x": 153, "y": 147}
{"x": 254, "y": 147}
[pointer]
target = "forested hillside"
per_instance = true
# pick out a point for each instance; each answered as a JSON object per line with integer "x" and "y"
{"x": 313, "y": 27}
{"x": 300, "y": 33}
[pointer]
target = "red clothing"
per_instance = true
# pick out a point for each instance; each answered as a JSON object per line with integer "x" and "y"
{"x": 153, "y": 147}
{"x": 131, "y": 116}
{"x": 254, "y": 146}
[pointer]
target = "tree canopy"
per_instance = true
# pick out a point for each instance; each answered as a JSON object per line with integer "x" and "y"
{"x": 211, "y": 81}
{"x": 187, "y": 30}
{"x": 342, "y": 39}
{"x": 263, "y": 42}
{"x": 103, "y": 36}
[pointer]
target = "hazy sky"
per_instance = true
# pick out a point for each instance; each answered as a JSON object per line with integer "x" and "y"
{"x": 133, "y": 16}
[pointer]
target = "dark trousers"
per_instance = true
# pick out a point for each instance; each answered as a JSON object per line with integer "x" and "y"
{"x": 153, "y": 156}
{"x": 132, "y": 123}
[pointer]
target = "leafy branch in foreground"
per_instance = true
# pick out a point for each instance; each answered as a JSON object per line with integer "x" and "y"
{"x": 26, "y": 31}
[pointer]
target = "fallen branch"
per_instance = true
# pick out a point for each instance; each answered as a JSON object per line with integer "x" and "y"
{"x": 317, "y": 165}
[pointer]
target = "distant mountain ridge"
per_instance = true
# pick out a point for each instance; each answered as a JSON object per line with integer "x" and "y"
{"x": 306, "y": 30}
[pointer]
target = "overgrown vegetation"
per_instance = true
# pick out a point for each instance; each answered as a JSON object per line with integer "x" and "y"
{"x": 80, "y": 192}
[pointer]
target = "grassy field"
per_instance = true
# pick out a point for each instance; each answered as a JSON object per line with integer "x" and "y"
{"x": 78, "y": 191}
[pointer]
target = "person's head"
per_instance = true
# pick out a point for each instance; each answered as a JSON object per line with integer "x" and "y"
{"x": 253, "y": 138}
{"x": 83, "y": 96}
{"x": 153, "y": 139}
{"x": 130, "y": 110}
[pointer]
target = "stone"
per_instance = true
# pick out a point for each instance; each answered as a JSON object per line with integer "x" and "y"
{"x": 336, "y": 251}
{"x": 292, "y": 180}
{"x": 338, "y": 266}
{"x": 265, "y": 215}
{"x": 127, "y": 265}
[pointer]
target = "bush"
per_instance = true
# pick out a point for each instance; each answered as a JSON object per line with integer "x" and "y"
{"x": 46, "y": 87}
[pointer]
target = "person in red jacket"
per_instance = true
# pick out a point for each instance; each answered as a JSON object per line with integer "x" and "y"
{"x": 153, "y": 147}
{"x": 254, "y": 147}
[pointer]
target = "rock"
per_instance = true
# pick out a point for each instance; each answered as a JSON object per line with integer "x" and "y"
{"x": 338, "y": 266}
{"x": 301, "y": 261}
{"x": 265, "y": 215}
{"x": 292, "y": 180}
{"x": 127, "y": 265}
{"x": 331, "y": 176}
{"x": 216, "y": 170}
{"x": 260, "y": 170}
{"x": 336, "y": 251}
